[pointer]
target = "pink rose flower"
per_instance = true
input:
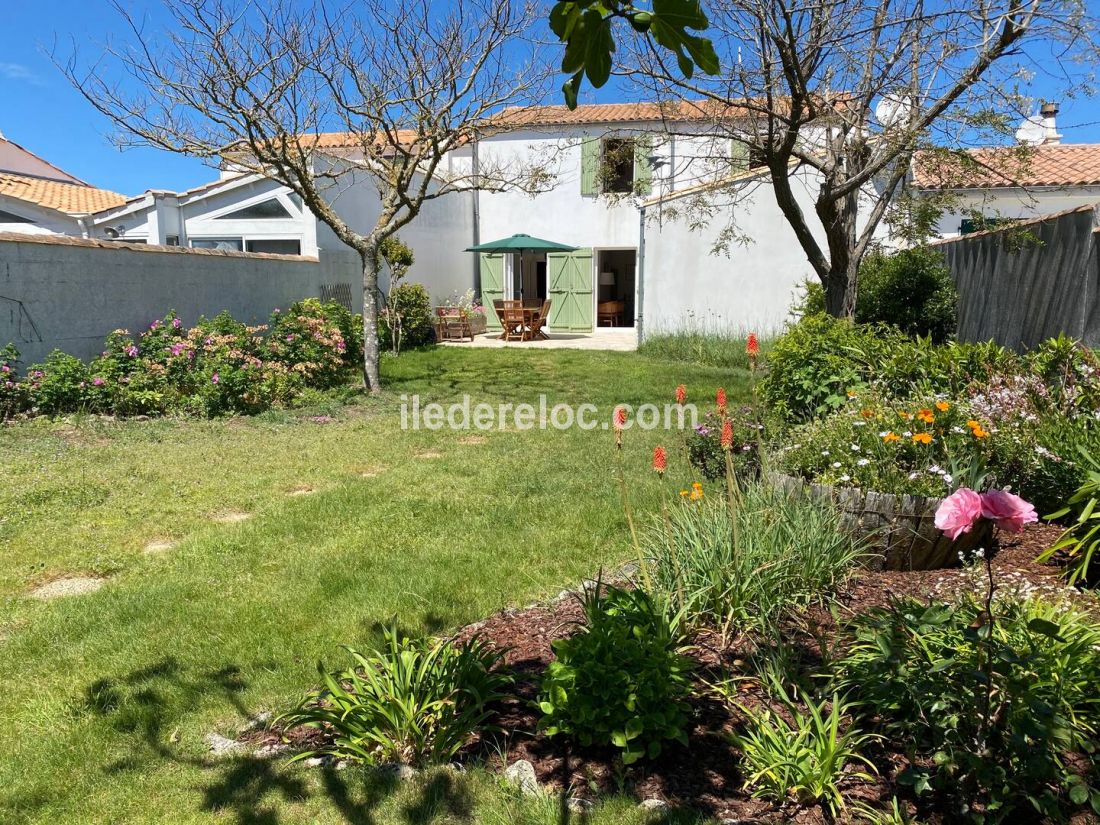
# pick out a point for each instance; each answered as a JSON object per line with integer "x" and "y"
{"x": 958, "y": 512}
{"x": 1009, "y": 511}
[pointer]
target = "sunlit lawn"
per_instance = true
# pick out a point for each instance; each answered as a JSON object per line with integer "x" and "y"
{"x": 107, "y": 696}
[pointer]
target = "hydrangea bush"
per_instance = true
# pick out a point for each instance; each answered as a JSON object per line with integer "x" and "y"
{"x": 216, "y": 367}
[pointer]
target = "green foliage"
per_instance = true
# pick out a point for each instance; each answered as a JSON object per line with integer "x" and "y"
{"x": 990, "y": 710}
{"x": 412, "y": 305}
{"x": 804, "y": 758}
{"x": 584, "y": 26}
{"x": 60, "y": 385}
{"x": 413, "y": 702}
{"x": 704, "y": 445}
{"x": 912, "y": 290}
{"x": 619, "y": 680}
{"x": 1082, "y": 538}
{"x": 789, "y": 553}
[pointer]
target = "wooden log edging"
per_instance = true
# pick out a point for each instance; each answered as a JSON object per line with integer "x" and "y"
{"x": 901, "y": 529}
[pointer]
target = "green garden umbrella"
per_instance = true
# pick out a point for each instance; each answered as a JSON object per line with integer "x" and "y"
{"x": 521, "y": 243}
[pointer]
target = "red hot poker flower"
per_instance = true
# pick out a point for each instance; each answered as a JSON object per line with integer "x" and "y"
{"x": 727, "y": 435}
{"x": 660, "y": 460}
{"x": 681, "y": 394}
{"x": 752, "y": 345}
{"x": 720, "y": 399}
{"x": 620, "y": 417}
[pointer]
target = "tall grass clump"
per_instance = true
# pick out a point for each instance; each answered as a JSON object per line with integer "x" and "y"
{"x": 774, "y": 554}
{"x": 723, "y": 349}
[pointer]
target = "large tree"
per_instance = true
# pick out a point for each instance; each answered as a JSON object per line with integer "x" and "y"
{"x": 258, "y": 84}
{"x": 851, "y": 89}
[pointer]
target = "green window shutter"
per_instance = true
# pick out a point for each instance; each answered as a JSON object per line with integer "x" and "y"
{"x": 569, "y": 283}
{"x": 739, "y": 156}
{"x": 643, "y": 166}
{"x": 590, "y": 165}
{"x": 492, "y": 284}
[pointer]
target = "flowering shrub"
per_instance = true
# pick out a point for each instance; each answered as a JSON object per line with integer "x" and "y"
{"x": 218, "y": 366}
{"x": 13, "y": 396}
{"x": 412, "y": 304}
{"x": 312, "y": 339}
{"x": 707, "y": 453}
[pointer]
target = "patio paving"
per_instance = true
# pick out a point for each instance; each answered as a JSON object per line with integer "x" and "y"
{"x": 618, "y": 339}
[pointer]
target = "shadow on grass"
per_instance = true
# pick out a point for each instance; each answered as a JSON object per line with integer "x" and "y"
{"x": 143, "y": 705}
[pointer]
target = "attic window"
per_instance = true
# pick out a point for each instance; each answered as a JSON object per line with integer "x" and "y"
{"x": 264, "y": 210}
{"x": 9, "y": 217}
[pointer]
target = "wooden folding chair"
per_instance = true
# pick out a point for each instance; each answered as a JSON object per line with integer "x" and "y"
{"x": 539, "y": 321}
{"x": 514, "y": 321}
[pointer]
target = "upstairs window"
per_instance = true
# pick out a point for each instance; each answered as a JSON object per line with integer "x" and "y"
{"x": 616, "y": 165}
{"x": 264, "y": 210}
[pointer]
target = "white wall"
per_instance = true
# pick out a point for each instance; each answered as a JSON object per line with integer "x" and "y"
{"x": 45, "y": 221}
{"x": 438, "y": 237}
{"x": 751, "y": 288}
{"x": 1015, "y": 202}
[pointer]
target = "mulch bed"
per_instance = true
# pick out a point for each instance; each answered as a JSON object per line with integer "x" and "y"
{"x": 704, "y": 775}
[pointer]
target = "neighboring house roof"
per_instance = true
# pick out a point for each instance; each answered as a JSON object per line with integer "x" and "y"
{"x": 1060, "y": 164}
{"x": 352, "y": 140}
{"x": 72, "y": 198}
{"x": 17, "y": 160}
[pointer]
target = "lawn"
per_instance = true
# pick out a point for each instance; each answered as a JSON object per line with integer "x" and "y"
{"x": 351, "y": 522}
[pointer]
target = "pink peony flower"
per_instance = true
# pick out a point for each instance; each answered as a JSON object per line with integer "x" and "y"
{"x": 958, "y": 512}
{"x": 1009, "y": 511}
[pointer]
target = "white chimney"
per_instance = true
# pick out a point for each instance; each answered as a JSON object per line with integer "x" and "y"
{"x": 1049, "y": 113}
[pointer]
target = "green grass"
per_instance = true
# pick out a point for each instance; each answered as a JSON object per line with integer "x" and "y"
{"x": 723, "y": 349}
{"x": 107, "y": 696}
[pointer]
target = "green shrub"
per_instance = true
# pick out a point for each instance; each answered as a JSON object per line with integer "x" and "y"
{"x": 413, "y": 702}
{"x": 620, "y": 680}
{"x": 911, "y": 290}
{"x": 789, "y": 553}
{"x": 60, "y": 385}
{"x": 413, "y": 305}
{"x": 989, "y": 712}
{"x": 1081, "y": 538}
{"x": 804, "y": 758}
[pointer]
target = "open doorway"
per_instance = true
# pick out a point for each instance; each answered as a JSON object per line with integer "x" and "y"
{"x": 530, "y": 278}
{"x": 615, "y": 274}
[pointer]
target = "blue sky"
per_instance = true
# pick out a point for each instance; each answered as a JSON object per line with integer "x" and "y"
{"x": 41, "y": 111}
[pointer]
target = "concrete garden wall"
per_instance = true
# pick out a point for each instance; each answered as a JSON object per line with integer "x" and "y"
{"x": 68, "y": 293}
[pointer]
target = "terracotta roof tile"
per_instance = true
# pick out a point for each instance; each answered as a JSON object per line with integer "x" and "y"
{"x": 72, "y": 198}
{"x": 679, "y": 110}
{"x": 1063, "y": 164}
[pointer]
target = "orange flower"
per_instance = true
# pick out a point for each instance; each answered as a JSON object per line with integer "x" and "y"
{"x": 976, "y": 429}
{"x": 923, "y": 438}
{"x": 660, "y": 460}
{"x": 752, "y": 346}
{"x": 905, "y": 415}
{"x": 727, "y": 435}
{"x": 685, "y": 493}
{"x": 926, "y": 415}
{"x": 942, "y": 406}
{"x": 867, "y": 413}
{"x": 620, "y": 417}
{"x": 720, "y": 399}
{"x": 696, "y": 491}
{"x": 681, "y": 394}
{"x": 891, "y": 436}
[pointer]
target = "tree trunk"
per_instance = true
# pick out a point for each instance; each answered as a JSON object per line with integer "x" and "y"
{"x": 840, "y": 293}
{"x": 372, "y": 382}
